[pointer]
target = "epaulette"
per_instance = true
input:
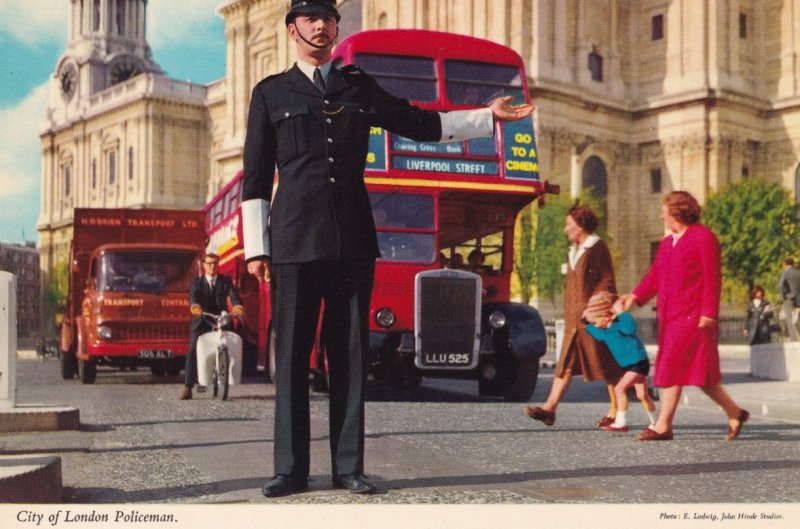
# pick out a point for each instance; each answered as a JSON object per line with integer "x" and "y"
{"x": 352, "y": 69}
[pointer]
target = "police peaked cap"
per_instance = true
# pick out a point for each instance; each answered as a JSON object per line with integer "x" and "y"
{"x": 312, "y": 7}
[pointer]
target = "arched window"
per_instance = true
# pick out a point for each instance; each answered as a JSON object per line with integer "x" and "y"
{"x": 595, "y": 176}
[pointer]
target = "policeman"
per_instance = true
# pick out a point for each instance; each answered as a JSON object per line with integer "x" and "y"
{"x": 312, "y": 122}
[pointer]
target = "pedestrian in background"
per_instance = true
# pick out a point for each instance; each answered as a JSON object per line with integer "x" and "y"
{"x": 609, "y": 324}
{"x": 686, "y": 276}
{"x": 759, "y": 313}
{"x": 590, "y": 270}
{"x": 789, "y": 288}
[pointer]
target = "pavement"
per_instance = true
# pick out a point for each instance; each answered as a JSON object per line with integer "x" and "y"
{"x": 38, "y": 480}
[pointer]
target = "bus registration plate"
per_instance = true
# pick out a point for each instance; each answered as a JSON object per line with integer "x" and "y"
{"x": 156, "y": 354}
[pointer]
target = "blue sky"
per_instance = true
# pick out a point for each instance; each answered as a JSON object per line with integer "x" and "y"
{"x": 188, "y": 42}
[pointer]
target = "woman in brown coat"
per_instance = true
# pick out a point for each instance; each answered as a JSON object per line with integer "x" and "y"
{"x": 589, "y": 270}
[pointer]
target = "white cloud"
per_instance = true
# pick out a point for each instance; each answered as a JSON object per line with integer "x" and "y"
{"x": 185, "y": 22}
{"x": 34, "y": 22}
{"x": 20, "y": 153}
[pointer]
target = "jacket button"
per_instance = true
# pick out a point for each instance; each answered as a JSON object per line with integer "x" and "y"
{"x": 329, "y": 120}
{"x": 333, "y": 180}
{"x": 287, "y": 114}
{"x": 330, "y": 140}
{"x": 330, "y": 160}
{"x": 327, "y": 102}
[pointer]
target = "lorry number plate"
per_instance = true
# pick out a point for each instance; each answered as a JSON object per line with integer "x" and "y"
{"x": 155, "y": 354}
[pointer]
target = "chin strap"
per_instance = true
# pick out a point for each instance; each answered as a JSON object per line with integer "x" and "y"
{"x": 331, "y": 43}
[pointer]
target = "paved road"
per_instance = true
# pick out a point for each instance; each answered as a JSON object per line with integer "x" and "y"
{"x": 438, "y": 444}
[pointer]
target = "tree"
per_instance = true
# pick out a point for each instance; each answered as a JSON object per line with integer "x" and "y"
{"x": 757, "y": 226}
{"x": 525, "y": 254}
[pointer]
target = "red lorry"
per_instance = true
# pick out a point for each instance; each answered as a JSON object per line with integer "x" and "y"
{"x": 127, "y": 304}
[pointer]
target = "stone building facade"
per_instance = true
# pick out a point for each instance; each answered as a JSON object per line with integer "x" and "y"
{"x": 118, "y": 132}
{"x": 634, "y": 98}
{"x": 22, "y": 261}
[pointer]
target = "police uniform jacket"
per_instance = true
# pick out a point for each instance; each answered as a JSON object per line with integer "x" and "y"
{"x": 318, "y": 142}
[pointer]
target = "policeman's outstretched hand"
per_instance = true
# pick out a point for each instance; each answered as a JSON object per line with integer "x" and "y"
{"x": 503, "y": 110}
{"x": 237, "y": 311}
{"x": 261, "y": 269}
{"x": 197, "y": 310}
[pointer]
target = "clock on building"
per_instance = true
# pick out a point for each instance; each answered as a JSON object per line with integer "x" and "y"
{"x": 68, "y": 80}
{"x": 122, "y": 70}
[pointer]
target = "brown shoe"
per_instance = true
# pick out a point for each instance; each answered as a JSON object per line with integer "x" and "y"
{"x": 648, "y": 434}
{"x": 604, "y": 421}
{"x": 186, "y": 394}
{"x": 733, "y": 432}
{"x": 538, "y": 414}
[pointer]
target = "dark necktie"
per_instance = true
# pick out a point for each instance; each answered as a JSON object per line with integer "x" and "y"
{"x": 318, "y": 82}
{"x": 211, "y": 284}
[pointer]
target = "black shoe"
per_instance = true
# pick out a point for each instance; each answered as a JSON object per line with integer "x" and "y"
{"x": 282, "y": 485}
{"x": 355, "y": 483}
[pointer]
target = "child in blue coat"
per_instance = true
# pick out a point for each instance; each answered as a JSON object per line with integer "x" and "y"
{"x": 617, "y": 329}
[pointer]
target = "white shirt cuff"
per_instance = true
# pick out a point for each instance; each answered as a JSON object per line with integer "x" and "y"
{"x": 461, "y": 125}
{"x": 255, "y": 228}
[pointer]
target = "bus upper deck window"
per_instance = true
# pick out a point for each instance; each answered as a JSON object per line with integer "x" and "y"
{"x": 412, "y": 78}
{"x": 479, "y": 83}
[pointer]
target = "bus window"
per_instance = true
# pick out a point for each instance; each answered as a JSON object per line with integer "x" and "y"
{"x": 216, "y": 214}
{"x": 412, "y": 78}
{"x": 479, "y": 255}
{"x": 479, "y": 83}
{"x": 232, "y": 200}
{"x": 406, "y": 247}
{"x": 398, "y": 210}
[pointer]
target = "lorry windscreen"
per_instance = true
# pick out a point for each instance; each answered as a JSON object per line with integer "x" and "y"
{"x": 145, "y": 271}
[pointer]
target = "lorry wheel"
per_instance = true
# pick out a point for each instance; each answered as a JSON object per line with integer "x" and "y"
{"x": 68, "y": 365}
{"x": 174, "y": 368}
{"x": 87, "y": 371}
{"x": 522, "y": 381}
{"x": 158, "y": 368}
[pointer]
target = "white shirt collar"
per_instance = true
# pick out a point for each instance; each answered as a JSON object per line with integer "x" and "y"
{"x": 209, "y": 278}
{"x": 308, "y": 70}
{"x": 576, "y": 251}
{"x": 677, "y": 236}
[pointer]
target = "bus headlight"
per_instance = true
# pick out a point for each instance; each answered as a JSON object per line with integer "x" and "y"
{"x": 385, "y": 317}
{"x": 104, "y": 332}
{"x": 497, "y": 320}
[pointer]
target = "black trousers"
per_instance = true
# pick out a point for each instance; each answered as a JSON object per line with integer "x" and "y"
{"x": 190, "y": 368}
{"x": 345, "y": 286}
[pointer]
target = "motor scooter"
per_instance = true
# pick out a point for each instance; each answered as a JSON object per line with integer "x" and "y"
{"x": 219, "y": 355}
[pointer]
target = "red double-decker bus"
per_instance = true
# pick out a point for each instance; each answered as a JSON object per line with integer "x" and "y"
{"x": 445, "y": 215}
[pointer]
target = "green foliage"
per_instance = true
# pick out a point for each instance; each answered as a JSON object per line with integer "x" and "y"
{"x": 57, "y": 286}
{"x": 757, "y": 226}
{"x": 525, "y": 255}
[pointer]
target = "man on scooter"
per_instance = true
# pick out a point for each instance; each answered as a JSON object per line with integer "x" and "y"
{"x": 208, "y": 293}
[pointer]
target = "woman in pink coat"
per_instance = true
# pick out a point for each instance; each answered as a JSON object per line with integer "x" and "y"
{"x": 686, "y": 276}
